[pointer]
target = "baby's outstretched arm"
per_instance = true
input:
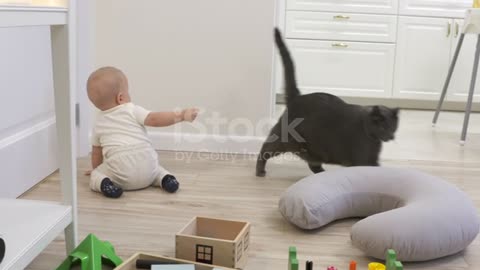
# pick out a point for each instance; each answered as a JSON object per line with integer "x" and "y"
{"x": 163, "y": 119}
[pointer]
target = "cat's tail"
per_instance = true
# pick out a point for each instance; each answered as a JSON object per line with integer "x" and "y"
{"x": 291, "y": 90}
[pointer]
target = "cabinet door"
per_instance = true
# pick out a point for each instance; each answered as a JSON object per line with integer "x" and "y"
{"x": 435, "y": 8}
{"x": 460, "y": 83}
{"x": 422, "y": 58}
{"x": 358, "y": 6}
{"x": 343, "y": 68}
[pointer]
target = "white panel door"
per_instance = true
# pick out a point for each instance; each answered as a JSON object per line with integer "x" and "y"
{"x": 435, "y": 8}
{"x": 460, "y": 83}
{"x": 27, "y": 126}
{"x": 345, "y": 26}
{"x": 358, "y": 6}
{"x": 422, "y": 58}
{"x": 343, "y": 68}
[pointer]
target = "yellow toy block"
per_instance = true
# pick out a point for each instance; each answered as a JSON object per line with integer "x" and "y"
{"x": 376, "y": 266}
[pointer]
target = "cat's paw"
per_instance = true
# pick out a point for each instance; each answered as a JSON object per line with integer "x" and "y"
{"x": 261, "y": 173}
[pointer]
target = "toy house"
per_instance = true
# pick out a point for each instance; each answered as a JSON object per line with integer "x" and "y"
{"x": 214, "y": 241}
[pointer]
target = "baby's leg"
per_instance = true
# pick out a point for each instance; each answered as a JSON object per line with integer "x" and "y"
{"x": 100, "y": 181}
{"x": 165, "y": 180}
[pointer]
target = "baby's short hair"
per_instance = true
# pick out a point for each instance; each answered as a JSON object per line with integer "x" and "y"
{"x": 104, "y": 84}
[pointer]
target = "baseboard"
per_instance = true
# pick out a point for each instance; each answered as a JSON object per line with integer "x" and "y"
{"x": 402, "y": 103}
{"x": 206, "y": 143}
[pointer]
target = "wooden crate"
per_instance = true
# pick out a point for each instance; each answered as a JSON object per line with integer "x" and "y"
{"x": 214, "y": 241}
{"x": 130, "y": 264}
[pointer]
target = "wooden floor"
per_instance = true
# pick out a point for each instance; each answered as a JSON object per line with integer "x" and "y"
{"x": 225, "y": 186}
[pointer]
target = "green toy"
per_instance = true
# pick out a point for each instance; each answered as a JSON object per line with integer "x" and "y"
{"x": 292, "y": 259}
{"x": 391, "y": 262}
{"x": 92, "y": 254}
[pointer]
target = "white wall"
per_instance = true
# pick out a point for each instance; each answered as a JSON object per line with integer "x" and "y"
{"x": 27, "y": 120}
{"x": 214, "y": 54}
{"x": 85, "y": 65}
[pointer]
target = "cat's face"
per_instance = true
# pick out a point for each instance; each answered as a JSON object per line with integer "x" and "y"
{"x": 383, "y": 122}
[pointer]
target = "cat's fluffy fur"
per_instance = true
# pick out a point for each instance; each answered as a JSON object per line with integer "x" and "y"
{"x": 324, "y": 128}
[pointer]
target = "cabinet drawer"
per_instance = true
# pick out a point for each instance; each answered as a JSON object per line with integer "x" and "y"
{"x": 341, "y": 26}
{"x": 343, "y": 68}
{"x": 358, "y": 6}
{"x": 435, "y": 8}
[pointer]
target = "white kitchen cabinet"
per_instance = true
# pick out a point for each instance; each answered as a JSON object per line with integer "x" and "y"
{"x": 341, "y": 26}
{"x": 422, "y": 57}
{"x": 409, "y": 42}
{"x": 343, "y": 68}
{"x": 460, "y": 83}
{"x": 358, "y": 6}
{"x": 434, "y": 8}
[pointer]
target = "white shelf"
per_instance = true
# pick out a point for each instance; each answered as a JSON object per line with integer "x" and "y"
{"x": 28, "y": 227}
{"x": 14, "y": 16}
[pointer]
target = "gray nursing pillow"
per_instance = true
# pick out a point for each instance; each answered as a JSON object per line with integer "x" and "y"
{"x": 418, "y": 215}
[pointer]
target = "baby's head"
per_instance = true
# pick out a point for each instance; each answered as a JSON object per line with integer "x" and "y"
{"x": 107, "y": 87}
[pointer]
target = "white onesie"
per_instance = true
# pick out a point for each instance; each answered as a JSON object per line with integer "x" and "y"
{"x": 129, "y": 159}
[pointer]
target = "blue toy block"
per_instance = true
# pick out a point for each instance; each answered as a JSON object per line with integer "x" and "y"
{"x": 173, "y": 267}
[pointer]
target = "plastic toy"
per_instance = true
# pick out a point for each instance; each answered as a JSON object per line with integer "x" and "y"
{"x": 376, "y": 266}
{"x": 173, "y": 267}
{"x": 353, "y": 265}
{"x": 292, "y": 259}
{"x": 92, "y": 254}
{"x": 390, "y": 264}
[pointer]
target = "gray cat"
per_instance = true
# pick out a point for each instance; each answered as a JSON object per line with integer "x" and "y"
{"x": 322, "y": 128}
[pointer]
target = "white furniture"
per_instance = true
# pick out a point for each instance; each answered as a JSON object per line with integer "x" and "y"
{"x": 471, "y": 26}
{"x": 398, "y": 49}
{"x": 29, "y": 226}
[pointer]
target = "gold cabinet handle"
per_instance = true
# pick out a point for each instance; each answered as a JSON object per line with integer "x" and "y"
{"x": 341, "y": 17}
{"x": 340, "y": 45}
{"x": 449, "y": 28}
{"x": 457, "y": 29}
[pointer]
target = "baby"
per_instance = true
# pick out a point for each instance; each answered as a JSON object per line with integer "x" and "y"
{"x": 123, "y": 157}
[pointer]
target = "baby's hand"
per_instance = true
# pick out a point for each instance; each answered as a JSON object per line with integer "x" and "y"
{"x": 190, "y": 114}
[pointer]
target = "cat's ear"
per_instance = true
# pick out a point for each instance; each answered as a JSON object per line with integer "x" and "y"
{"x": 376, "y": 114}
{"x": 395, "y": 111}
